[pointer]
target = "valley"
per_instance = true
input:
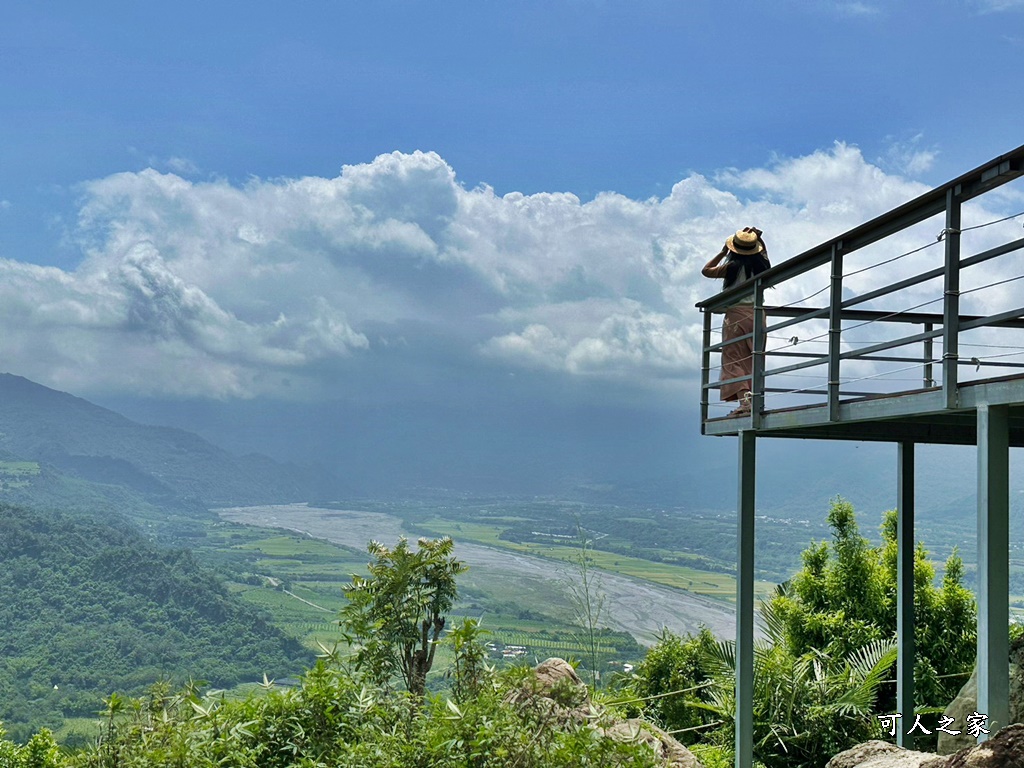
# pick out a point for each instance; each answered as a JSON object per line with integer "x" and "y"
{"x": 639, "y": 607}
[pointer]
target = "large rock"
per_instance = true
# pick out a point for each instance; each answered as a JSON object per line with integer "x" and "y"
{"x": 882, "y": 754}
{"x": 966, "y": 702}
{"x": 556, "y": 686}
{"x": 1004, "y": 750}
{"x": 668, "y": 750}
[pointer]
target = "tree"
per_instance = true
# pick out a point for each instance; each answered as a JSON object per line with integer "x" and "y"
{"x": 807, "y": 706}
{"x": 844, "y": 597}
{"x": 397, "y": 614}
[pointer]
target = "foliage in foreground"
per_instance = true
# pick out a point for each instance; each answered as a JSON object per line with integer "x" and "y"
{"x": 336, "y": 718}
{"x": 396, "y": 615}
{"x": 819, "y": 674}
{"x": 844, "y": 597}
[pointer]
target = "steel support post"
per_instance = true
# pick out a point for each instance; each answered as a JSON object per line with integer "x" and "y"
{"x": 905, "y": 591}
{"x": 745, "y": 603}
{"x": 835, "y": 330}
{"x": 993, "y": 565}
{"x": 951, "y": 300}
{"x": 929, "y": 380}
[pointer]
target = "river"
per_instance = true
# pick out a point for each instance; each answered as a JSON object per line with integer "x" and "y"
{"x": 639, "y": 607}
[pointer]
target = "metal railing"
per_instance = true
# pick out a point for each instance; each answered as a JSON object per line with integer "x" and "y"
{"x": 934, "y": 319}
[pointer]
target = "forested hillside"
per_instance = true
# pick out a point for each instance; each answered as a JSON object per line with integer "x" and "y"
{"x": 88, "y": 607}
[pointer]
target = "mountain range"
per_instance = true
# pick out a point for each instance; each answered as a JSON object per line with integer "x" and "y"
{"x": 80, "y": 441}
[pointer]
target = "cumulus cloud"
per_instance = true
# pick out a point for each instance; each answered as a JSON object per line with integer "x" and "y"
{"x": 285, "y": 286}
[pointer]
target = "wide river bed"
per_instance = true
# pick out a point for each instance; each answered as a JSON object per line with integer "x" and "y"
{"x": 639, "y": 607}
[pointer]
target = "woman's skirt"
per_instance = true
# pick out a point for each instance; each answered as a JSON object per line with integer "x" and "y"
{"x": 737, "y": 358}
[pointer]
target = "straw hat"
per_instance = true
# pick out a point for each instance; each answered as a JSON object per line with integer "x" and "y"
{"x": 744, "y": 243}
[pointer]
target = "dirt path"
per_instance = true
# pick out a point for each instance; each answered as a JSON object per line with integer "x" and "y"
{"x": 639, "y": 607}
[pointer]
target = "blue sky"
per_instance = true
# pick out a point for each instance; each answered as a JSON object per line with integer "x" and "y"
{"x": 422, "y": 208}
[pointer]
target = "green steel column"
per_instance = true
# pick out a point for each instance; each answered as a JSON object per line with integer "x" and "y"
{"x": 835, "y": 330}
{"x": 993, "y": 565}
{"x": 951, "y": 300}
{"x": 745, "y": 604}
{"x": 905, "y": 593}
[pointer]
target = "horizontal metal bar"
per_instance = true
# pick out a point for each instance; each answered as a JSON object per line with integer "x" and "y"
{"x": 998, "y": 364}
{"x": 921, "y": 317}
{"x": 773, "y": 353}
{"x": 929, "y": 204}
{"x": 863, "y": 314}
{"x": 730, "y": 342}
{"x": 812, "y": 315}
{"x": 912, "y": 212}
{"x": 719, "y": 384}
{"x": 992, "y": 253}
{"x": 903, "y": 317}
{"x": 894, "y": 359}
{"x": 851, "y": 393}
{"x": 795, "y": 367}
{"x": 991, "y": 320}
{"x": 901, "y": 342}
{"x": 924, "y": 277}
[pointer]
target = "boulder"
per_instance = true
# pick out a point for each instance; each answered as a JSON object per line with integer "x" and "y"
{"x": 966, "y": 702}
{"x": 882, "y": 754}
{"x": 669, "y": 751}
{"x": 556, "y": 686}
{"x": 1004, "y": 750}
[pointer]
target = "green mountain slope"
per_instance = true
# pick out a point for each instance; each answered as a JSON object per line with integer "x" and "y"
{"x": 87, "y": 607}
{"x": 86, "y": 441}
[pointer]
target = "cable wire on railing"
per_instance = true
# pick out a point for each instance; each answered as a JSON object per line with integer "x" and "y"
{"x": 695, "y": 727}
{"x": 889, "y": 261}
{"x": 993, "y": 357}
{"x": 657, "y": 695}
{"x": 939, "y": 239}
{"x": 794, "y": 340}
{"x": 991, "y": 346}
{"x": 805, "y": 298}
{"x": 888, "y": 373}
{"x": 992, "y": 285}
{"x": 863, "y": 378}
{"x": 891, "y": 314}
{"x": 986, "y": 224}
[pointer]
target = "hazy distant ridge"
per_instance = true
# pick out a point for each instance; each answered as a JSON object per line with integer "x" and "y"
{"x": 99, "y": 445}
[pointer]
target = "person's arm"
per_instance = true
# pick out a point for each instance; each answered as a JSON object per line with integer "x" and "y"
{"x": 718, "y": 264}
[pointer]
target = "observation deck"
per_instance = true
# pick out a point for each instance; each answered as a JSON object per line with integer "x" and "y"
{"x": 906, "y": 329}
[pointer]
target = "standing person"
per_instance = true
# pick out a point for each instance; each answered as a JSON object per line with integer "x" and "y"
{"x": 743, "y": 256}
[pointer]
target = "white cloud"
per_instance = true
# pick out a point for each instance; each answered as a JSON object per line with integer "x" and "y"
{"x": 998, "y": 6}
{"x": 182, "y": 166}
{"x": 908, "y": 157}
{"x": 279, "y": 286}
{"x": 857, "y": 9}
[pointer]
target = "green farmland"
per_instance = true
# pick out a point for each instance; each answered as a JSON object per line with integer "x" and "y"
{"x": 721, "y": 586}
{"x": 299, "y": 580}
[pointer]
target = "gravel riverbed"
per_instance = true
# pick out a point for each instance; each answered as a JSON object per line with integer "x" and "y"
{"x": 639, "y": 607}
